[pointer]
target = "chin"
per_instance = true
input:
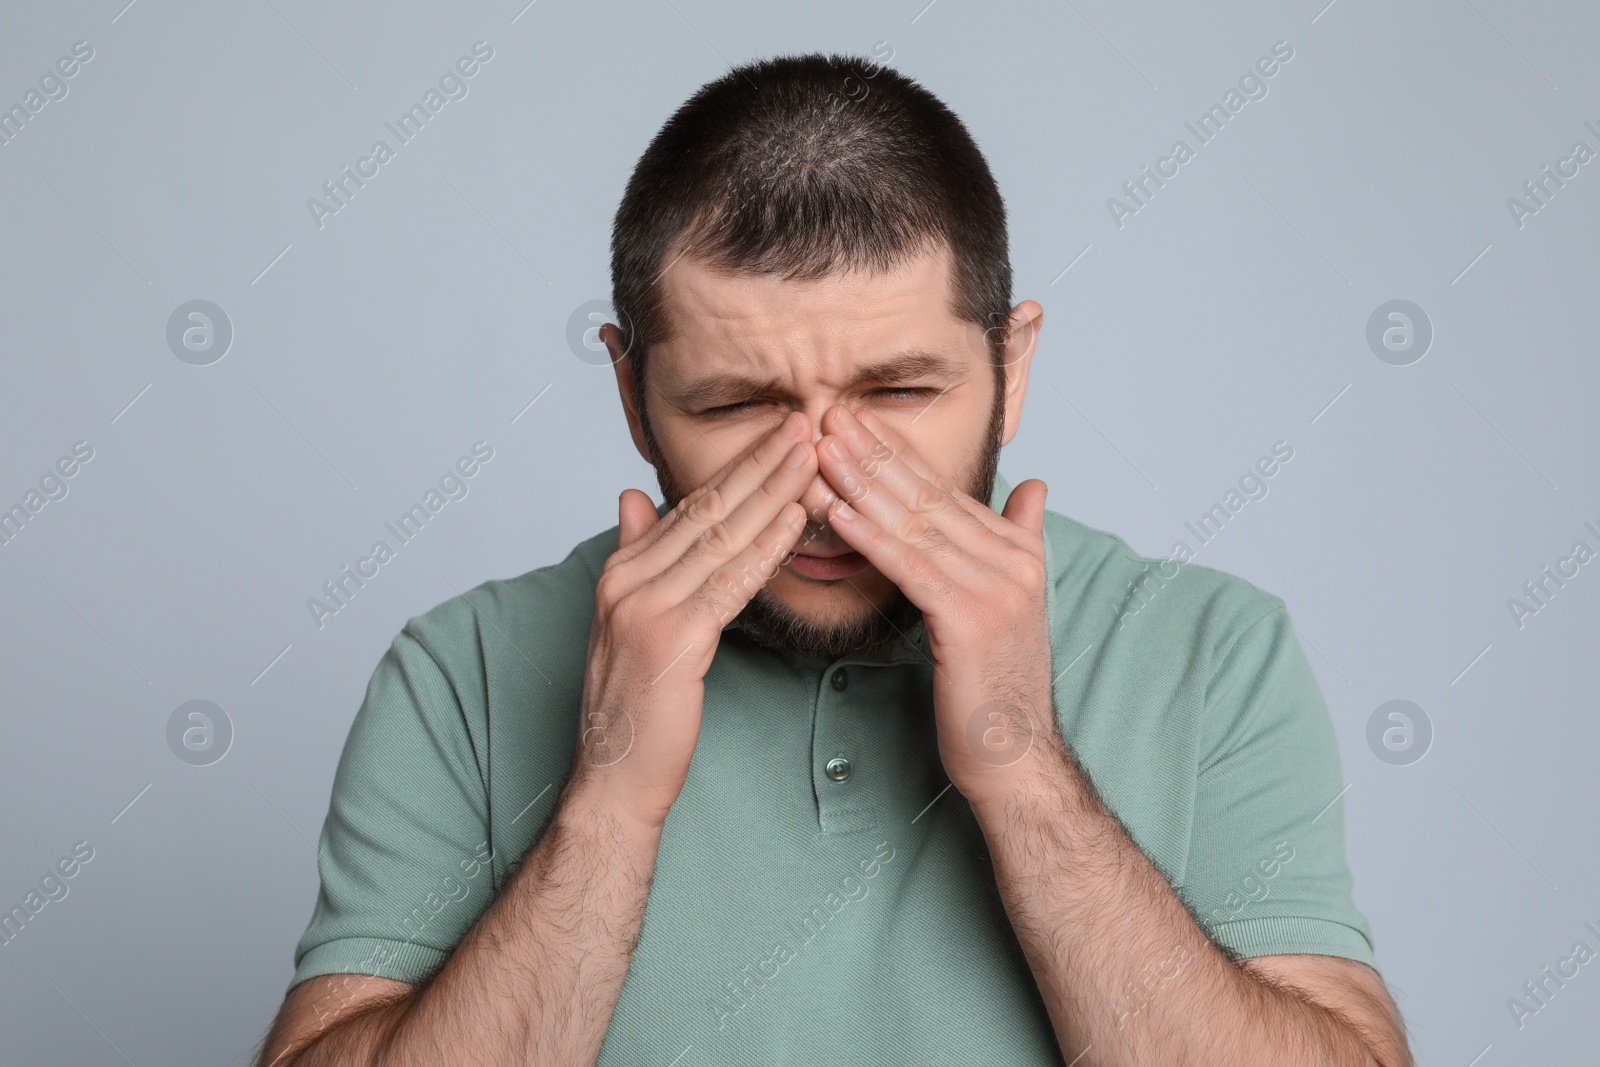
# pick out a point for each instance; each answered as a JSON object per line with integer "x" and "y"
{"x": 828, "y": 622}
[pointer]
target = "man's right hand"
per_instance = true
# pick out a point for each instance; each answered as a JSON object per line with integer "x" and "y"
{"x": 661, "y": 602}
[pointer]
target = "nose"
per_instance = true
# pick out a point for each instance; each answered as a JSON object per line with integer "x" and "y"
{"x": 818, "y": 535}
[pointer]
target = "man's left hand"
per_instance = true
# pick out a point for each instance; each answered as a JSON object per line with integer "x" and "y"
{"x": 978, "y": 578}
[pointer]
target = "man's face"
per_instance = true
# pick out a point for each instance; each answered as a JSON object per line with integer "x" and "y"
{"x": 752, "y": 348}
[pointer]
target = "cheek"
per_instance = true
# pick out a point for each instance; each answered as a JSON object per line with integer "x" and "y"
{"x": 694, "y": 457}
{"x": 943, "y": 446}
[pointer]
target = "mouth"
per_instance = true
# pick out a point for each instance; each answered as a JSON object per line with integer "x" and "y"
{"x": 827, "y": 567}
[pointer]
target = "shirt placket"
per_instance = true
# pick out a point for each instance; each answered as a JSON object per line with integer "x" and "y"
{"x": 841, "y": 761}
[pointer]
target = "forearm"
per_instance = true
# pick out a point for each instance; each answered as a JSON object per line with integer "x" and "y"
{"x": 1126, "y": 974}
{"x": 536, "y": 978}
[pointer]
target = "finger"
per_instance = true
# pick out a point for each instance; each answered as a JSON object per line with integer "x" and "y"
{"x": 727, "y": 590}
{"x": 858, "y": 481}
{"x": 709, "y": 504}
{"x": 1025, "y": 506}
{"x": 675, "y": 514}
{"x": 902, "y": 448}
{"x": 908, "y": 547}
{"x": 728, "y": 539}
{"x": 978, "y": 509}
{"x": 929, "y": 584}
{"x": 634, "y": 518}
{"x": 829, "y": 496}
{"x": 880, "y": 484}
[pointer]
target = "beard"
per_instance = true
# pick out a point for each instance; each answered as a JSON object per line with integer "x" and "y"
{"x": 773, "y": 624}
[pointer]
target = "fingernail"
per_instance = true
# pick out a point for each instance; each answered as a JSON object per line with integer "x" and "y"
{"x": 796, "y": 456}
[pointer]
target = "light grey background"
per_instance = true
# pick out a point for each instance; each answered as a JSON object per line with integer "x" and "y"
{"x": 369, "y": 354}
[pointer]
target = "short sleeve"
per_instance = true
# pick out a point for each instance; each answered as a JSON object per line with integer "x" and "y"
{"x": 1267, "y": 872}
{"x": 404, "y": 855}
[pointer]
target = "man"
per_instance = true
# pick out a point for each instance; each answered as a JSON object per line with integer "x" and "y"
{"x": 848, "y": 750}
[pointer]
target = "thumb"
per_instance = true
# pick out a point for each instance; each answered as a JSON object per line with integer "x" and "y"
{"x": 636, "y": 513}
{"x": 1025, "y": 505}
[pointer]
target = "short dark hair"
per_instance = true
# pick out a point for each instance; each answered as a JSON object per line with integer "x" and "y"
{"x": 803, "y": 166}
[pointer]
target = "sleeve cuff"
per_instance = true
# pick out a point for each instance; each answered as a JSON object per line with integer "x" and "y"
{"x": 376, "y": 957}
{"x": 1288, "y": 934}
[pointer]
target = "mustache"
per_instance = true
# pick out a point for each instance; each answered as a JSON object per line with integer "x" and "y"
{"x": 820, "y": 537}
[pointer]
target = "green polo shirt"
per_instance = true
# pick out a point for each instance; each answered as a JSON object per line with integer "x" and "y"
{"x": 803, "y": 916}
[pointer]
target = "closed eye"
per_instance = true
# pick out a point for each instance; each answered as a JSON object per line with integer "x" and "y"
{"x": 892, "y": 393}
{"x": 908, "y": 393}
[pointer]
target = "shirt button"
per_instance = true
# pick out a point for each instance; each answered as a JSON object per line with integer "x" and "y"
{"x": 838, "y": 769}
{"x": 840, "y": 680}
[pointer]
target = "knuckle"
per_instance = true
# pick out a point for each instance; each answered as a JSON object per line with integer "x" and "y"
{"x": 709, "y": 507}
{"x": 719, "y": 540}
{"x": 927, "y": 498}
{"x": 771, "y": 493}
{"x": 610, "y": 587}
{"x": 688, "y": 499}
{"x": 1022, "y": 571}
{"x": 674, "y": 518}
{"x": 635, "y": 614}
{"x": 1017, "y": 596}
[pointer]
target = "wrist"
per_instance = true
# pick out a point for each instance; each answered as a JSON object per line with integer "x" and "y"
{"x": 1044, "y": 779}
{"x": 593, "y": 801}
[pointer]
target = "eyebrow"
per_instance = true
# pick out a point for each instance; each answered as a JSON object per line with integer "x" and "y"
{"x": 909, "y": 365}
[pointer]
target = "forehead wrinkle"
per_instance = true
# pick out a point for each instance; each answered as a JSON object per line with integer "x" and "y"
{"x": 748, "y": 335}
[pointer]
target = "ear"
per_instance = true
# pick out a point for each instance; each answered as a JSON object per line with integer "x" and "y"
{"x": 622, "y": 364}
{"x": 1025, "y": 322}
